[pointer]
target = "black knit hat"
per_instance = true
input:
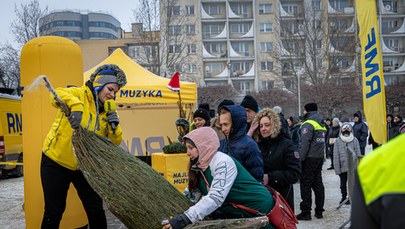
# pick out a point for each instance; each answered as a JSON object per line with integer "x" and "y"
{"x": 225, "y": 102}
{"x": 205, "y": 106}
{"x": 202, "y": 113}
{"x": 250, "y": 102}
{"x": 311, "y": 107}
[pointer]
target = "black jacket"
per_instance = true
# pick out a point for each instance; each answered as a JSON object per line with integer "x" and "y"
{"x": 281, "y": 163}
{"x": 360, "y": 130}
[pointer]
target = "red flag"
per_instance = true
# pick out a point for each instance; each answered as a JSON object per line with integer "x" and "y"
{"x": 174, "y": 83}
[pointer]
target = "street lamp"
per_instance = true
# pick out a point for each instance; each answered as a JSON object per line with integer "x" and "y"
{"x": 299, "y": 94}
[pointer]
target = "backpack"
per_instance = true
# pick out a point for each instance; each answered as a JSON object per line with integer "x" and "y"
{"x": 281, "y": 216}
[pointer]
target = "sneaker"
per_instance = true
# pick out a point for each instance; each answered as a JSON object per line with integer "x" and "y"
{"x": 303, "y": 216}
{"x": 319, "y": 215}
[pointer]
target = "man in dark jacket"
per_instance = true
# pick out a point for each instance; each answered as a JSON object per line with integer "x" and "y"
{"x": 236, "y": 143}
{"x": 312, "y": 156}
{"x": 379, "y": 190}
{"x": 360, "y": 131}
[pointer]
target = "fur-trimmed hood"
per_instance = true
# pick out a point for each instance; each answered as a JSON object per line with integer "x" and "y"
{"x": 274, "y": 121}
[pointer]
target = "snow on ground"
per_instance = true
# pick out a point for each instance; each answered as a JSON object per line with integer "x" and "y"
{"x": 12, "y": 199}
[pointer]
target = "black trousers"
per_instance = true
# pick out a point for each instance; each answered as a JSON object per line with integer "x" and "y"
{"x": 55, "y": 183}
{"x": 312, "y": 180}
{"x": 343, "y": 185}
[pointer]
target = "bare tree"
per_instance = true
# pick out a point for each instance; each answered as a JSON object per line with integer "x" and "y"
{"x": 213, "y": 95}
{"x": 333, "y": 99}
{"x": 315, "y": 47}
{"x": 25, "y": 26}
{"x": 163, "y": 24}
{"x": 277, "y": 97}
{"x": 394, "y": 95}
{"x": 9, "y": 67}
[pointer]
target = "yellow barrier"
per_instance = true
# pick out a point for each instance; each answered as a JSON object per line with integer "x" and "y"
{"x": 173, "y": 167}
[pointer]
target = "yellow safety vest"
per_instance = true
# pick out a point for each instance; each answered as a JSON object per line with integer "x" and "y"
{"x": 315, "y": 124}
{"x": 382, "y": 171}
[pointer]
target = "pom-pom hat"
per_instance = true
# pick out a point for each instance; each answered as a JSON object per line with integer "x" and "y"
{"x": 108, "y": 73}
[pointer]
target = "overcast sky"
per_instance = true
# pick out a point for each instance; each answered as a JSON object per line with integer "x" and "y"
{"x": 120, "y": 9}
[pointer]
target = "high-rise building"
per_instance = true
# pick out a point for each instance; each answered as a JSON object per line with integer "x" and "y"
{"x": 261, "y": 44}
{"x": 392, "y": 26}
{"x": 78, "y": 26}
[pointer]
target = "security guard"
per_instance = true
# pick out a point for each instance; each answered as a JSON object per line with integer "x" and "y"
{"x": 313, "y": 133}
{"x": 379, "y": 191}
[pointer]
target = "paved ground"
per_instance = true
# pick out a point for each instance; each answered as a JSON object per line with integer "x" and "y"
{"x": 12, "y": 199}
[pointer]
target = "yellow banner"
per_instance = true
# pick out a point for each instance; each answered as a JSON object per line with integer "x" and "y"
{"x": 371, "y": 66}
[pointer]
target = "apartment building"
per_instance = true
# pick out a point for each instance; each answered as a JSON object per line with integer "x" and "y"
{"x": 392, "y": 26}
{"x": 76, "y": 25}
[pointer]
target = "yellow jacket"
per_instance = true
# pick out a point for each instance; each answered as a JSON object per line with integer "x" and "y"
{"x": 58, "y": 143}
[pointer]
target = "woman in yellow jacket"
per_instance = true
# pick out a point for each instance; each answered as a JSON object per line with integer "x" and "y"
{"x": 59, "y": 164}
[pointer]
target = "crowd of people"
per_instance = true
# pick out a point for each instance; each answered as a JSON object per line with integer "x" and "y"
{"x": 233, "y": 156}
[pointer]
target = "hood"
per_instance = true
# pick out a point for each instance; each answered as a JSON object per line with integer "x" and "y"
{"x": 239, "y": 121}
{"x": 274, "y": 121}
{"x": 346, "y": 138}
{"x": 358, "y": 113}
{"x": 207, "y": 143}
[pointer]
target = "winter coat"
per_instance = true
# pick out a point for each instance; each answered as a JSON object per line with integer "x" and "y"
{"x": 312, "y": 140}
{"x": 222, "y": 179}
{"x": 340, "y": 154}
{"x": 295, "y": 133}
{"x": 240, "y": 146}
{"x": 58, "y": 143}
{"x": 280, "y": 156}
{"x": 360, "y": 130}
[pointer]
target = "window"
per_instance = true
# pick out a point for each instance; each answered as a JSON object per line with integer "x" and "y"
{"x": 149, "y": 51}
{"x": 173, "y": 11}
{"x": 338, "y": 4}
{"x": 241, "y": 47}
{"x": 390, "y": 24}
{"x": 291, "y": 8}
{"x": 240, "y": 28}
{"x": 390, "y": 6}
{"x": 190, "y": 10}
{"x": 192, "y": 68}
{"x": 174, "y": 30}
{"x": 267, "y": 84}
{"x": 213, "y": 9}
{"x": 265, "y": 8}
{"x": 215, "y": 48}
{"x": 266, "y": 46}
{"x": 211, "y": 30}
{"x": 191, "y": 48}
{"x": 392, "y": 44}
{"x": 266, "y": 27}
{"x": 266, "y": 66}
{"x": 241, "y": 67}
{"x": 240, "y": 9}
{"x": 318, "y": 44}
{"x": 214, "y": 68}
{"x": 135, "y": 52}
{"x": 242, "y": 85}
{"x": 190, "y": 29}
{"x": 316, "y": 4}
{"x": 175, "y": 48}
{"x": 317, "y": 24}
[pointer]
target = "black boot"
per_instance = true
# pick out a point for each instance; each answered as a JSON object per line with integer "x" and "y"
{"x": 304, "y": 216}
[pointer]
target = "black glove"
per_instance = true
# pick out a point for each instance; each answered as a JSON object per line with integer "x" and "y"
{"x": 179, "y": 221}
{"x": 75, "y": 118}
{"x": 112, "y": 118}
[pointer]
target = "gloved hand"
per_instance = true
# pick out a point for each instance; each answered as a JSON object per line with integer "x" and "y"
{"x": 112, "y": 117}
{"x": 179, "y": 221}
{"x": 75, "y": 118}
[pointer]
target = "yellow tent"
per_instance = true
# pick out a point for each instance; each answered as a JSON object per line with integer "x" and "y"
{"x": 143, "y": 86}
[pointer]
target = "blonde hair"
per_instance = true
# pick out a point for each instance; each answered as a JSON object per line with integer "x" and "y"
{"x": 274, "y": 121}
